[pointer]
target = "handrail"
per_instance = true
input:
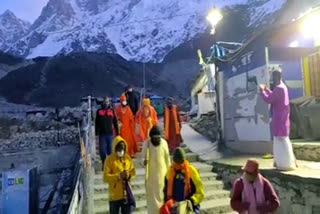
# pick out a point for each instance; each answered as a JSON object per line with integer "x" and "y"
{"x": 81, "y": 201}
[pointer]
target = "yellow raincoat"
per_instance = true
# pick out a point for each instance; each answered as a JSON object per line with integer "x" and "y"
{"x": 113, "y": 166}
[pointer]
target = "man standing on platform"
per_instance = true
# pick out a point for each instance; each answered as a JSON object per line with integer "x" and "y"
{"x": 172, "y": 125}
{"x": 284, "y": 158}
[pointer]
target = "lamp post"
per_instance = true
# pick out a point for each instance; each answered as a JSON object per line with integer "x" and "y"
{"x": 214, "y": 17}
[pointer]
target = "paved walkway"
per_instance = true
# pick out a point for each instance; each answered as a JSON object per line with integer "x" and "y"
{"x": 207, "y": 151}
{"x": 306, "y": 169}
{"x": 199, "y": 144}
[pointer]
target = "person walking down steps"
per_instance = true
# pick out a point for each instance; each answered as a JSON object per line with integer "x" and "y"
{"x": 156, "y": 159}
{"x": 172, "y": 125}
{"x": 127, "y": 125}
{"x": 118, "y": 171}
{"x": 183, "y": 186}
{"x": 146, "y": 118}
{"x": 252, "y": 193}
{"x": 105, "y": 125}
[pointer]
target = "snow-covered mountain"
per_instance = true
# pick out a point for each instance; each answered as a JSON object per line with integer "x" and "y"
{"x": 11, "y": 29}
{"x": 140, "y": 30}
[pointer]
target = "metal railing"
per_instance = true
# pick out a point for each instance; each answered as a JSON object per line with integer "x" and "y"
{"x": 82, "y": 198}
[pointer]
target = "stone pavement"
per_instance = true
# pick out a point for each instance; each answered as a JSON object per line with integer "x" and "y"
{"x": 207, "y": 151}
{"x": 200, "y": 145}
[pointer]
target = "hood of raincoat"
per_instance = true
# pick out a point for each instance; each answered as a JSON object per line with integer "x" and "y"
{"x": 116, "y": 141}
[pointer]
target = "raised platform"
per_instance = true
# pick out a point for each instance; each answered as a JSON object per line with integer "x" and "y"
{"x": 306, "y": 150}
{"x": 298, "y": 190}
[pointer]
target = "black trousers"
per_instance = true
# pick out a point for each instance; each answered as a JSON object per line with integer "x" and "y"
{"x": 116, "y": 206}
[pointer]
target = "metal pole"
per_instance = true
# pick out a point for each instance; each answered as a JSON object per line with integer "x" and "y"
{"x": 144, "y": 78}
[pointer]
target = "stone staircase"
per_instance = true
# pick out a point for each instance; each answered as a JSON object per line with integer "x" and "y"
{"x": 216, "y": 199}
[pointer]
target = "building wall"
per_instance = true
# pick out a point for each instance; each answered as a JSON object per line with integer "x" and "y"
{"x": 246, "y": 115}
{"x": 247, "y": 121}
{"x": 207, "y": 102}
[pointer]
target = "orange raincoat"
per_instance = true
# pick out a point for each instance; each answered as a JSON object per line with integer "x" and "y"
{"x": 127, "y": 129}
{"x": 146, "y": 118}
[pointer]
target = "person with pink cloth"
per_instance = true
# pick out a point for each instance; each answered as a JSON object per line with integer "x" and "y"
{"x": 284, "y": 158}
{"x": 252, "y": 193}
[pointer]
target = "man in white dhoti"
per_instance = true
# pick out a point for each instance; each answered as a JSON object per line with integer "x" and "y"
{"x": 280, "y": 105}
{"x": 156, "y": 159}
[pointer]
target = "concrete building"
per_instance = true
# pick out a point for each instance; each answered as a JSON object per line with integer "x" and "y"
{"x": 246, "y": 117}
{"x": 203, "y": 96}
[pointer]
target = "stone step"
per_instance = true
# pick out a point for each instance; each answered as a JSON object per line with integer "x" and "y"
{"x": 218, "y": 206}
{"x": 201, "y": 167}
{"x": 98, "y": 164}
{"x": 140, "y": 175}
{"x": 140, "y": 184}
{"x": 140, "y": 194}
{"x": 102, "y": 207}
{"x": 191, "y": 157}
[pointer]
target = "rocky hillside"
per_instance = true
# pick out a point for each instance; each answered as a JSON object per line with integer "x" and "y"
{"x": 64, "y": 80}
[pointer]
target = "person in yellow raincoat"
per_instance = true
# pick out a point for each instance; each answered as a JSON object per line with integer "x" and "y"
{"x": 127, "y": 129}
{"x": 146, "y": 118}
{"x": 182, "y": 183}
{"x": 118, "y": 169}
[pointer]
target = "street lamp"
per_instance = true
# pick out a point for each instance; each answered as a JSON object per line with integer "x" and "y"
{"x": 214, "y": 17}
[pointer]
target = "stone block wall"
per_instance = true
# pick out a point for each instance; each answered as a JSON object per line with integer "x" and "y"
{"x": 297, "y": 195}
{"x": 40, "y": 139}
{"x": 307, "y": 151}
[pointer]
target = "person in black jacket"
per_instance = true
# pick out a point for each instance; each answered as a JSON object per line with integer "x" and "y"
{"x": 106, "y": 125}
{"x": 132, "y": 99}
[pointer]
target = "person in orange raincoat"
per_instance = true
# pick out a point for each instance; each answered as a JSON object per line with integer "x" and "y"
{"x": 146, "y": 118}
{"x": 127, "y": 127}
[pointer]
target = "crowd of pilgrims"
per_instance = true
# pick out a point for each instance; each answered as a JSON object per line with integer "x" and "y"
{"x": 172, "y": 186}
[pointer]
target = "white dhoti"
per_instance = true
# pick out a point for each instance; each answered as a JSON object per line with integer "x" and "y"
{"x": 283, "y": 153}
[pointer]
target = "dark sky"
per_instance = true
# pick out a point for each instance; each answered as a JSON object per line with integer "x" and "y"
{"x": 27, "y": 10}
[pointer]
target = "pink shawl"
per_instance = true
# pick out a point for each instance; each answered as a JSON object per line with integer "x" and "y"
{"x": 253, "y": 193}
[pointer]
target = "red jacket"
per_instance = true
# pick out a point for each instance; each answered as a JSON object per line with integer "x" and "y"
{"x": 272, "y": 201}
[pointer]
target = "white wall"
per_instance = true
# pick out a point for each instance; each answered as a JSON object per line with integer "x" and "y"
{"x": 207, "y": 102}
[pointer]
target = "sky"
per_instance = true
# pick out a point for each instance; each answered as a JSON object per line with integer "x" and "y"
{"x": 27, "y": 10}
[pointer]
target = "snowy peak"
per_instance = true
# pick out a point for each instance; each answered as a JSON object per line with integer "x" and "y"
{"x": 54, "y": 16}
{"x": 9, "y": 19}
{"x": 139, "y": 30}
{"x": 11, "y": 29}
